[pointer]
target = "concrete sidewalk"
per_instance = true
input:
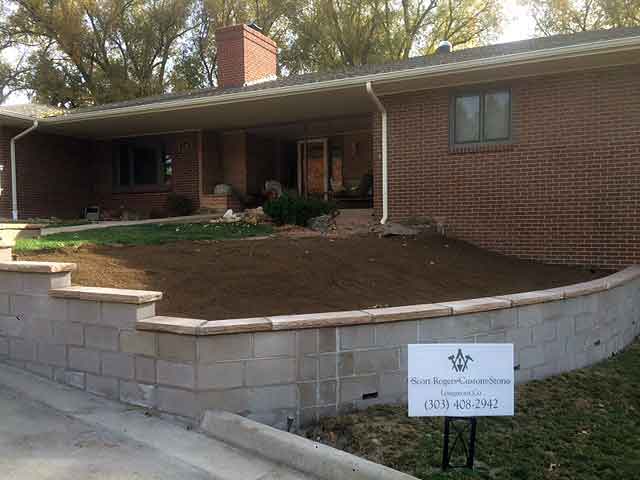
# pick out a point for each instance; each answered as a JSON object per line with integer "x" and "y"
{"x": 128, "y": 223}
{"x": 49, "y": 431}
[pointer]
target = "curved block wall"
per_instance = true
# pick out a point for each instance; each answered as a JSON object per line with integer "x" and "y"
{"x": 110, "y": 342}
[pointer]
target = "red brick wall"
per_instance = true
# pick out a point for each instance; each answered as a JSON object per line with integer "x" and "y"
{"x": 244, "y": 56}
{"x": 234, "y": 160}
{"x": 212, "y": 169}
{"x": 220, "y": 202}
{"x": 566, "y": 191}
{"x": 5, "y": 175}
{"x": 182, "y": 147}
{"x": 52, "y": 175}
{"x": 261, "y": 162}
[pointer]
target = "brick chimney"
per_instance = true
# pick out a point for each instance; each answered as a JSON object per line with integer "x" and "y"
{"x": 245, "y": 56}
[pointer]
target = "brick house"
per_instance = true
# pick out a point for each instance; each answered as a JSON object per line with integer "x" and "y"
{"x": 528, "y": 148}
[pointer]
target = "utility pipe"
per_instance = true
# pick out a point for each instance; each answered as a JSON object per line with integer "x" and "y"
{"x": 14, "y": 176}
{"x": 385, "y": 170}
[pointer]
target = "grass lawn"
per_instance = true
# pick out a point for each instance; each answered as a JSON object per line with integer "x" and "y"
{"x": 143, "y": 235}
{"x": 583, "y": 425}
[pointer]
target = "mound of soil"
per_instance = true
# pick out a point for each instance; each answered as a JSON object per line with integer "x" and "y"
{"x": 247, "y": 278}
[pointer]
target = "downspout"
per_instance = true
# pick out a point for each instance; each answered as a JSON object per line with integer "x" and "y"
{"x": 14, "y": 181}
{"x": 385, "y": 170}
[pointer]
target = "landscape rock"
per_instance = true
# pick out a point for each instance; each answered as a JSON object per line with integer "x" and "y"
{"x": 231, "y": 217}
{"x": 254, "y": 216}
{"x": 391, "y": 229}
{"x": 273, "y": 189}
{"x": 322, "y": 224}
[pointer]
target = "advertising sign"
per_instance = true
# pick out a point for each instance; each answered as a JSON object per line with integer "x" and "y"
{"x": 461, "y": 380}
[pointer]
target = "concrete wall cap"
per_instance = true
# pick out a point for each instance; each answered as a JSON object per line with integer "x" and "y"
{"x": 408, "y": 312}
{"x": 235, "y": 325}
{"x": 182, "y": 326}
{"x": 585, "y": 288}
{"x": 623, "y": 276}
{"x": 21, "y": 226}
{"x": 531, "y": 298}
{"x": 314, "y": 320}
{"x": 100, "y": 294}
{"x": 37, "y": 267}
{"x": 477, "y": 305}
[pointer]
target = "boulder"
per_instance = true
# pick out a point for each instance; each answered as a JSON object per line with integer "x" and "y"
{"x": 272, "y": 189}
{"x": 230, "y": 217}
{"x": 254, "y": 215}
{"x": 396, "y": 229}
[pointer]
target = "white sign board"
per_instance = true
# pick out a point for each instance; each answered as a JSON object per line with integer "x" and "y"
{"x": 461, "y": 380}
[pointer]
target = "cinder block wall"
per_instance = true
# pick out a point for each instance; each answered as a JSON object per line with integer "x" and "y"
{"x": 565, "y": 190}
{"x": 92, "y": 339}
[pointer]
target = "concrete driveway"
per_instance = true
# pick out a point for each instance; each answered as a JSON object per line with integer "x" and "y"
{"x": 48, "y": 431}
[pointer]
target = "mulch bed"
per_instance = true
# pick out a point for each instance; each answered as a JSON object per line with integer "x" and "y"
{"x": 246, "y": 278}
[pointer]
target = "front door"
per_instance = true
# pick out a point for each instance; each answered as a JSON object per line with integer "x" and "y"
{"x": 313, "y": 176}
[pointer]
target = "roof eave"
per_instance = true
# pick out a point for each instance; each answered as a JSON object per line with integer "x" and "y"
{"x": 14, "y": 119}
{"x": 557, "y": 53}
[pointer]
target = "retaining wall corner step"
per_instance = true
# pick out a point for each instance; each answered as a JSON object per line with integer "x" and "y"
{"x": 101, "y": 294}
{"x": 182, "y": 326}
{"x": 37, "y": 267}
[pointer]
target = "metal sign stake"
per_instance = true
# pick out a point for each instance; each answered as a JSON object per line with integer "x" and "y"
{"x": 458, "y": 427}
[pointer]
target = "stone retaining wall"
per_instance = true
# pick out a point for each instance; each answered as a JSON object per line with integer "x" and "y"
{"x": 110, "y": 342}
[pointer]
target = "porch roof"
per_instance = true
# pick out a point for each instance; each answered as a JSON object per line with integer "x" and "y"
{"x": 306, "y": 97}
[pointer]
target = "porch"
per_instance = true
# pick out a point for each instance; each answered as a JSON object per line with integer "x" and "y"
{"x": 221, "y": 169}
{"x": 216, "y": 157}
{"x": 329, "y": 158}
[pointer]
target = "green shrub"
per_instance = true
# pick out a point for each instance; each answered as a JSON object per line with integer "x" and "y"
{"x": 294, "y": 210}
{"x": 179, "y": 205}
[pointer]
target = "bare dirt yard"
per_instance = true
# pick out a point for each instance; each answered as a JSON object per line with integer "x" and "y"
{"x": 246, "y": 278}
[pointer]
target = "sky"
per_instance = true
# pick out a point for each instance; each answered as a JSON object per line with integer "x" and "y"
{"x": 518, "y": 25}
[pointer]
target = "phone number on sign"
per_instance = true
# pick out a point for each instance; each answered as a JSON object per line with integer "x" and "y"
{"x": 466, "y": 404}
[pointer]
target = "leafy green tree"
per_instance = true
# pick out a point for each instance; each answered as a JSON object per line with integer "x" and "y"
{"x": 195, "y": 67}
{"x": 332, "y": 34}
{"x": 85, "y": 52}
{"x": 107, "y": 49}
{"x": 572, "y": 16}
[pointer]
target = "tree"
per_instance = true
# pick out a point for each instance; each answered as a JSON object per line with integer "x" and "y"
{"x": 572, "y": 16}
{"x": 332, "y": 34}
{"x": 11, "y": 73}
{"x": 196, "y": 65}
{"x": 107, "y": 50}
{"x": 85, "y": 52}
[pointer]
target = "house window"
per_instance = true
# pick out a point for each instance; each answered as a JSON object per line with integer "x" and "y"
{"x": 482, "y": 117}
{"x": 142, "y": 167}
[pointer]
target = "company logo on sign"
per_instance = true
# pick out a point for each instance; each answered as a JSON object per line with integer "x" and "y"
{"x": 460, "y": 361}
